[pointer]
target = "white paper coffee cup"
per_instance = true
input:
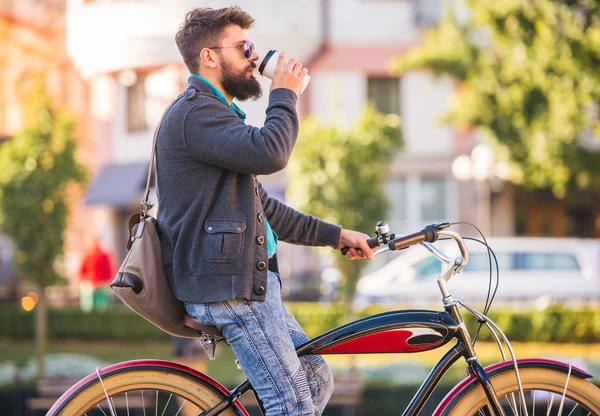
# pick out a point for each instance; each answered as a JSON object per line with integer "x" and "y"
{"x": 269, "y": 63}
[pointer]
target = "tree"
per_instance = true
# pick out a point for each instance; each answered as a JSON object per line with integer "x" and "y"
{"x": 38, "y": 165}
{"x": 529, "y": 79}
{"x": 338, "y": 176}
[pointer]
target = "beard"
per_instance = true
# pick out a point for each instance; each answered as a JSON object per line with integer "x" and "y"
{"x": 237, "y": 85}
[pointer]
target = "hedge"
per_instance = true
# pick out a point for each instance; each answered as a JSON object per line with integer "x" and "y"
{"x": 554, "y": 324}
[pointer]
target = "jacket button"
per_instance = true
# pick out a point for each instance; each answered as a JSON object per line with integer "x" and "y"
{"x": 260, "y": 240}
{"x": 261, "y": 265}
{"x": 259, "y": 290}
{"x": 256, "y": 190}
{"x": 260, "y": 217}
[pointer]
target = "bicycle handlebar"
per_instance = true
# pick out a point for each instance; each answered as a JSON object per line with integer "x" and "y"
{"x": 372, "y": 242}
{"x": 428, "y": 234}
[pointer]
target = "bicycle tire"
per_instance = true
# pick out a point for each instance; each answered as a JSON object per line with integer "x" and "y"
{"x": 579, "y": 390}
{"x": 193, "y": 389}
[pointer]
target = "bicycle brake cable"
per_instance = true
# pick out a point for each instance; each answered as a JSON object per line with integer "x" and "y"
{"x": 489, "y": 300}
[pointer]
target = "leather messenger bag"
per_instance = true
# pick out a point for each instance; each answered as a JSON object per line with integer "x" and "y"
{"x": 141, "y": 282}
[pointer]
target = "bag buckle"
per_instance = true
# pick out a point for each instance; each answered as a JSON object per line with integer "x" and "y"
{"x": 146, "y": 206}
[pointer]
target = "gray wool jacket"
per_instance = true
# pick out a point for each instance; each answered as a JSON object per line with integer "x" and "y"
{"x": 212, "y": 206}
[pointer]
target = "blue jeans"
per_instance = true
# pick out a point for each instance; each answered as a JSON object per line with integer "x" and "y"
{"x": 263, "y": 336}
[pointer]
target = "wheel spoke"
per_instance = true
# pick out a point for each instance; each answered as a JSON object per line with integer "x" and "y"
{"x": 511, "y": 406}
{"x": 562, "y": 400}
{"x": 576, "y": 404}
{"x": 127, "y": 403}
{"x": 554, "y": 407}
{"x": 98, "y": 406}
{"x": 113, "y": 406}
{"x": 143, "y": 403}
{"x": 184, "y": 402}
{"x": 516, "y": 409}
{"x": 166, "y": 405}
{"x": 550, "y": 401}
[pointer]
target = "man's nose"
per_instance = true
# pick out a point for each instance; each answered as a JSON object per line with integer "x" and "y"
{"x": 254, "y": 57}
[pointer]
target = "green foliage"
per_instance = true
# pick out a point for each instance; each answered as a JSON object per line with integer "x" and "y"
{"x": 71, "y": 323}
{"x": 338, "y": 175}
{"x": 530, "y": 80}
{"x": 38, "y": 164}
{"x": 555, "y": 324}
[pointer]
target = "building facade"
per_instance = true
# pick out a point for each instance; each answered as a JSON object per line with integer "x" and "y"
{"x": 126, "y": 52}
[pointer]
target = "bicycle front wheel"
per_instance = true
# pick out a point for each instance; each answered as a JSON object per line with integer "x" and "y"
{"x": 544, "y": 389}
{"x": 143, "y": 388}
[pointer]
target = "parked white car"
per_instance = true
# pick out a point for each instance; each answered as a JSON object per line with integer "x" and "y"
{"x": 555, "y": 269}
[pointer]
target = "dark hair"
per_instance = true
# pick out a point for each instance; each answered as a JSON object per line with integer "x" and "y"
{"x": 203, "y": 28}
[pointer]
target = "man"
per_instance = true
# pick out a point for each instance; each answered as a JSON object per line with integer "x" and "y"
{"x": 219, "y": 228}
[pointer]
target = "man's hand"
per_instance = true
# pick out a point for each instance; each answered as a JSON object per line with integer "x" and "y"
{"x": 290, "y": 76}
{"x": 357, "y": 241}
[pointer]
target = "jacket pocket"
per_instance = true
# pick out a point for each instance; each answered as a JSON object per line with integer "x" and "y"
{"x": 223, "y": 239}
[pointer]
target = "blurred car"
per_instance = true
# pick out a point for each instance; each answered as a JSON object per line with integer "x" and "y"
{"x": 554, "y": 269}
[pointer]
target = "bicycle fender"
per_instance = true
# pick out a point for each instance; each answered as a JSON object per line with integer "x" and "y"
{"x": 466, "y": 384}
{"x": 144, "y": 364}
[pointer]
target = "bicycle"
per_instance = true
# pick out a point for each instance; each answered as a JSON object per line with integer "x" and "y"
{"x": 507, "y": 387}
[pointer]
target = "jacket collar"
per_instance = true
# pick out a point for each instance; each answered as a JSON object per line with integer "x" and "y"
{"x": 201, "y": 84}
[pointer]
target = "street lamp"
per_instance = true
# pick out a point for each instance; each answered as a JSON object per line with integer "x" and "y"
{"x": 480, "y": 166}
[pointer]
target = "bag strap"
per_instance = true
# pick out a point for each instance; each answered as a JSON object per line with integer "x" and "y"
{"x": 146, "y": 204}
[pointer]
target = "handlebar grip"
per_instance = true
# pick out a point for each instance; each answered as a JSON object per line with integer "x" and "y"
{"x": 407, "y": 241}
{"x": 372, "y": 242}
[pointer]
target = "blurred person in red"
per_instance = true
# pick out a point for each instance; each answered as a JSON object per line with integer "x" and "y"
{"x": 95, "y": 273}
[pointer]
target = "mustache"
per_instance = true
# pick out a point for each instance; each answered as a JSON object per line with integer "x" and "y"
{"x": 251, "y": 66}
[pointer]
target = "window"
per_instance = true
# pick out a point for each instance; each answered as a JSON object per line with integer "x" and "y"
{"x": 433, "y": 199}
{"x": 384, "y": 92}
{"x": 427, "y": 267}
{"x": 136, "y": 106}
{"x": 479, "y": 262}
{"x": 548, "y": 261}
{"x": 395, "y": 191}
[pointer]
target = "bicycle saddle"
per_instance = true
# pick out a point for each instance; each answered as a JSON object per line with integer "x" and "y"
{"x": 193, "y": 323}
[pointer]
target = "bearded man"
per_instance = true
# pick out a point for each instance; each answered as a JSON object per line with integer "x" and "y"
{"x": 219, "y": 228}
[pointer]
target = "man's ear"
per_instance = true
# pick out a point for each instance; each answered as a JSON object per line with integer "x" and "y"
{"x": 207, "y": 58}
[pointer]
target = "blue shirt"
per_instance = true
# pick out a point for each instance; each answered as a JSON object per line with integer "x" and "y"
{"x": 272, "y": 237}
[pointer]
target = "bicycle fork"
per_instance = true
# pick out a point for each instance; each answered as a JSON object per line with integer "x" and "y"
{"x": 493, "y": 408}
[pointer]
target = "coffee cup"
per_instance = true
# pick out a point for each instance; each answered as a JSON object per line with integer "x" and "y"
{"x": 269, "y": 63}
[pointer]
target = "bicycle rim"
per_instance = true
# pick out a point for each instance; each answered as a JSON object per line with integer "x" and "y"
{"x": 547, "y": 392}
{"x": 144, "y": 392}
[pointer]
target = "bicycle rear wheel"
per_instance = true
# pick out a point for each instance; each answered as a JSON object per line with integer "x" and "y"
{"x": 143, "y": 388}
{"x": 543, "y": 388}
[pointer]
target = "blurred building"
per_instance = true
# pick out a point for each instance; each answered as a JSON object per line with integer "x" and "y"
{"x": 126, "y": 52}
{"x": 134, "y": 70}
{"x": 33, "y": 43}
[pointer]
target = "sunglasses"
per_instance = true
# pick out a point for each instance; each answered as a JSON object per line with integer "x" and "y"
{"x": 247, "y": 48}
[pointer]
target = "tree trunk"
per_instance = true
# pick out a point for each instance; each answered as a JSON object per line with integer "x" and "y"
{"x": 41, "y": 330}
